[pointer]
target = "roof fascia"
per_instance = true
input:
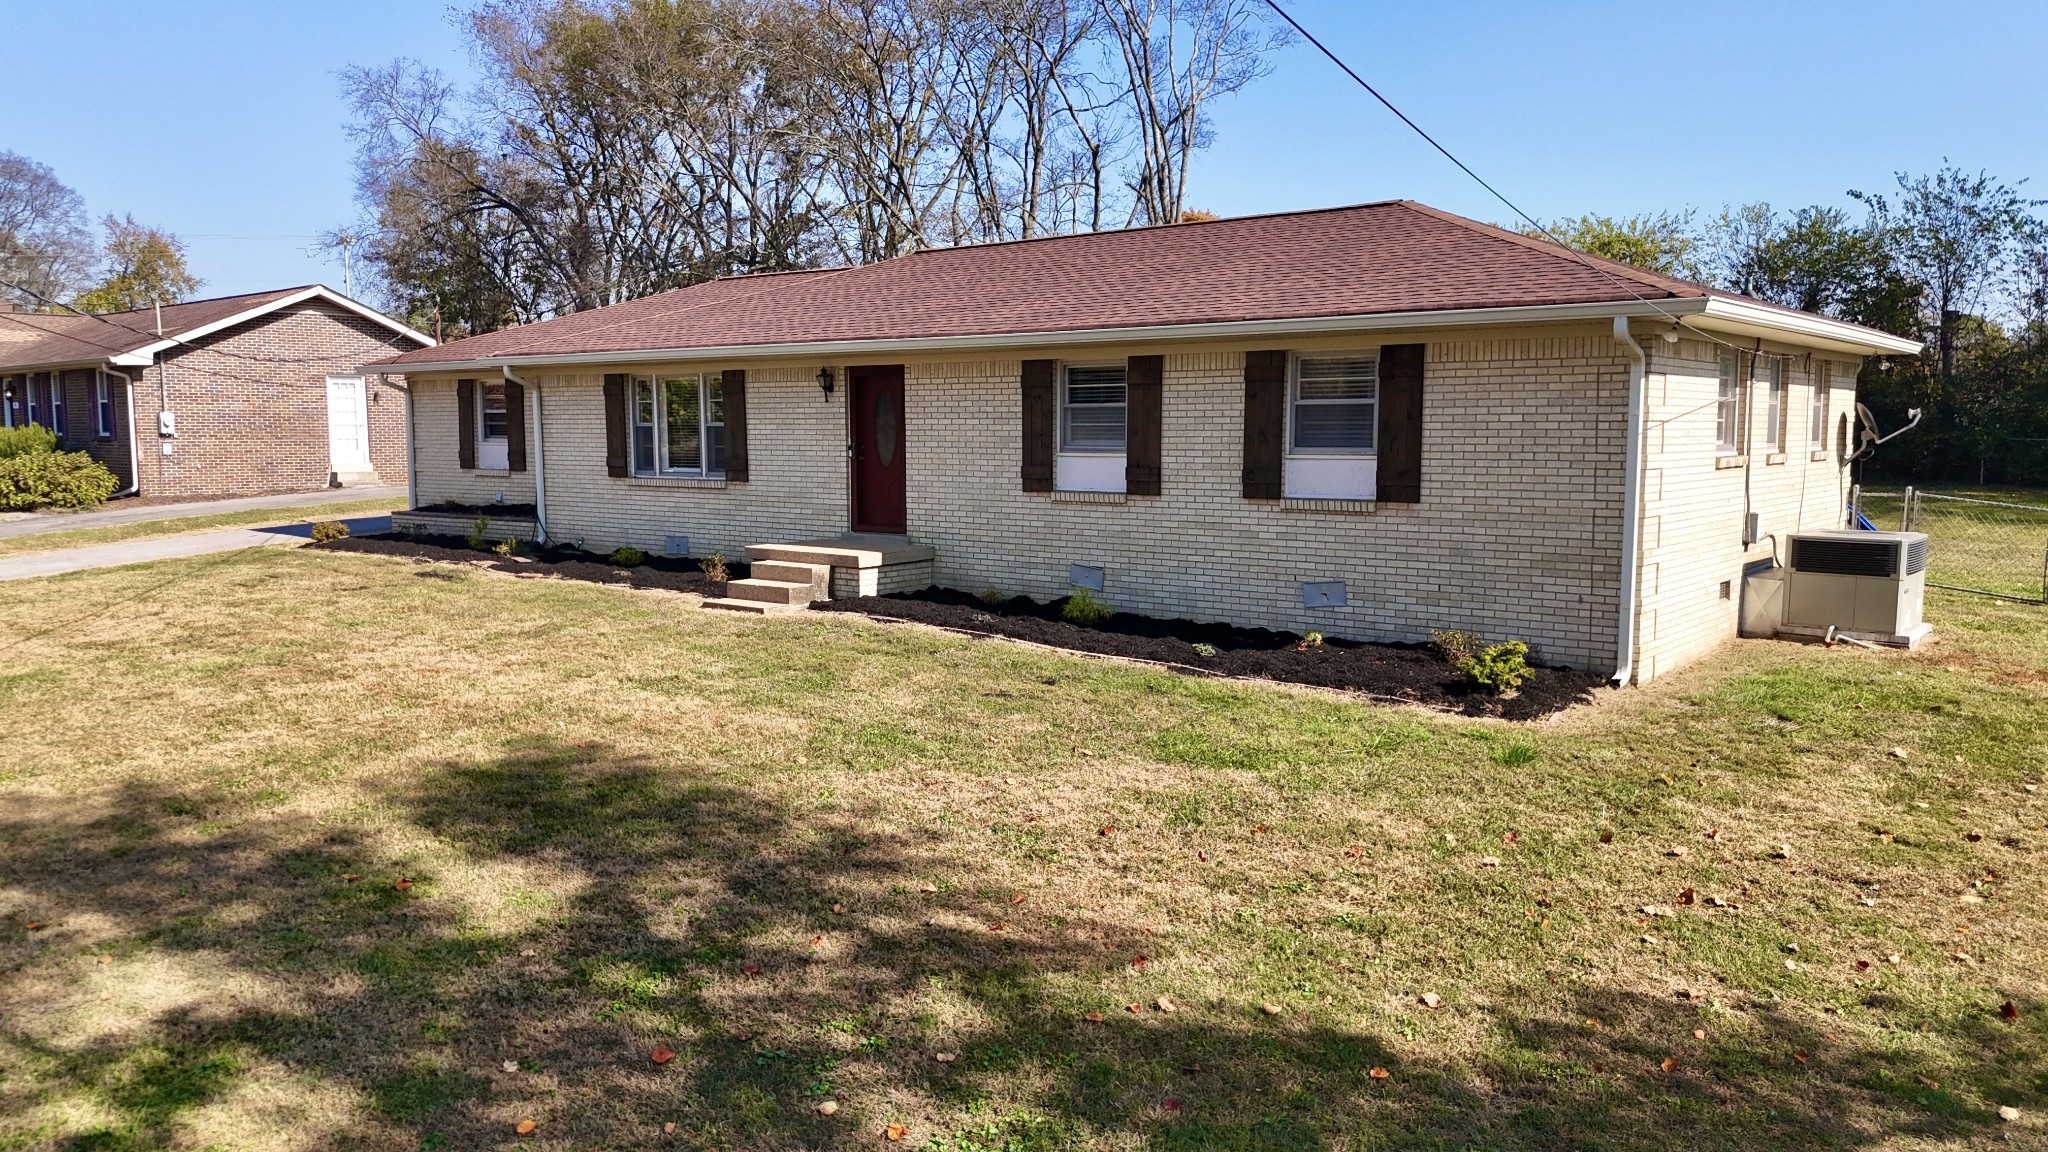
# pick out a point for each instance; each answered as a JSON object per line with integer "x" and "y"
{"x": 1746, "y": 318}
{"x": 147, "y": 353}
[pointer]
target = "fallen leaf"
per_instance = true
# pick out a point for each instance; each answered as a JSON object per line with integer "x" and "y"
{"x": 1685, "y": 896}
{"x": 750, "y": 969}
{"x": 927, "y": 888}
{"x": 1884, "y": 836}
{"x": 1973, "y": 837}
{"x": 1489, "y": 861}
{"x": 1925, "y": 1082}
{"x": 895, "y": 1133}
{"x": 402, "y": 884}
{"x": 1898, "y": 753}
{"x": 510, "y": 1065}
{"x": 1678, "y": 851}
{"x": 1606, "y": 837}
{"x": 525, "y": 1127}
{"x": 106, "y": 960}
{"x": 1863, "y": 965}
{"x": 526, "y": 952}
{"x": 1784, "y": 852}
{"x": 1017, "y": 899}
{"x": 662, "y": 1054}
{"x": 2008, "y": 1011}
{"x": 1599, "y": 1067}
{"x": 1509, "y": 837}
{"x": 1259, "y": 828}
{"x": 1699, "y": 1033}
{"x": 836, "y": 909}
{"x": 1354, "y": 852}
{"x": 1134, "y": 1008}
{"x": 1139, "y": 961}
{"x": 1713, "y": 833}
{"x": 1593, "y": 1022}
{"x": 2008, "y": 1113}
{"x": 1665, "y": 777}
{"x": 1669, "y": 1064}
{"x": 817, "y": 940}
{"x": 1165, "y": 1004}
{"x": 669, "y": 1129}
{"x": 828, "y": 1107}
{"x": 1379, "y": 1073}
{"x": 1171, "y": 1104}
{"x": 1202, "y": 856}
{"x": 1093, "y": 1017}
{"x": 1799, "y": 1054}
{"x": 350, "y": 877}
{"x": 945, "y": 1057}
{"x": 1107, "y": 830}
{"x": 1431, "y": 1000}
{"x": 35, "y": 925}
{"x": 1270, "y": 1009}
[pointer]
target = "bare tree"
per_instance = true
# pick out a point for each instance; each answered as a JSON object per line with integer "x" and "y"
{"x": 46, "y": 246}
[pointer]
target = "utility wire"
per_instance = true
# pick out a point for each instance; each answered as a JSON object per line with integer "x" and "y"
{"x": 1481, "y": 181}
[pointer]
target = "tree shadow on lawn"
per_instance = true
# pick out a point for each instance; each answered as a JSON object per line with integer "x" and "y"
{"x": 700, "y": 916}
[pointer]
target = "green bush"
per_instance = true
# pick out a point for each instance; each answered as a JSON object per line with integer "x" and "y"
{"x": 25, "y": 440}
{"x": 628, "y": 557}
{"x": 479, "y": 533}
{"x": 714, "y": 567}
{"x": 1085, "y": 608}
{"x": 1457, "y": 648}
{"x": 1502, "y": 668}
{"x": 327, "y": 530}
{"x": 53, "y": 480}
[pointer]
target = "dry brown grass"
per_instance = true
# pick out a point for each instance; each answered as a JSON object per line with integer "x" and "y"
{"x": 628, "y": 823}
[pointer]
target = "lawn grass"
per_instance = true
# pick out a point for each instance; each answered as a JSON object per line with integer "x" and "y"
{"x": 813, "y": 854}
{"x": 150, "y": 529}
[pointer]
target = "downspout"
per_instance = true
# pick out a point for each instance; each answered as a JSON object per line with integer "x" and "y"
{"x": 412, "y": 452}
{"x": 134, "y": 445}
{"x": 540, "y": 466}
{"x": 1631, "y": 508}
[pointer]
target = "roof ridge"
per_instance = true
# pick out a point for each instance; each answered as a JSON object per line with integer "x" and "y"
{"x": 977, "y": 245}
{"x": 213, "y": 300}
{"x": 1644, "y": 276}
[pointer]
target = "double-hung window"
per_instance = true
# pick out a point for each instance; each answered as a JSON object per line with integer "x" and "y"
{"x": 102, "y": 406}
{"x": 35, "y": 410}
{"x": 59, "y": 423}
{"x": 493, "y": 427}
{"x": 1775, "y": 408}
{"x": 1094, "y": 429}
{"x": 1817, "y": 411}
{"x": 679, "y": 425}
{"x": 1332, "y": 418}
{"x": 1728, "y": 405}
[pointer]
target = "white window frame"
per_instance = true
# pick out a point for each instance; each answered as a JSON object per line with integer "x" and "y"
{"x": 1326, "y": 473}
{"x": 655, "y": 397}
{"x": 1083, "y": 468}
{"x": 493, "y": 453}
{"x": 30, "y": 387}
{"x": 1728, "y": 404}
{"x": 60, "y": 416}
{"x": 1817, "y": 408}
{"x": 1776, "y": 393}
{"x": 102, "y": 405}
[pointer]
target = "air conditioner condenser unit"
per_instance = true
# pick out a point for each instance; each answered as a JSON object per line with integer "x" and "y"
{"x": 1864, "y": 585}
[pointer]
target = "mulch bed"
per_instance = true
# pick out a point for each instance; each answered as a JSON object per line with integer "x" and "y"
{"x": 674, "y": 575}
{"x": 1407, "y": 672}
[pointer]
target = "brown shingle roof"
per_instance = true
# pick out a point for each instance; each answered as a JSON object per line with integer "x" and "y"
{"x": 29, "y": 340}
{"x": 1382, "y": 258}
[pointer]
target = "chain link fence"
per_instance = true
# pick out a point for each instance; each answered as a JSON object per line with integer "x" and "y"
{"x": 1997, "y": 547}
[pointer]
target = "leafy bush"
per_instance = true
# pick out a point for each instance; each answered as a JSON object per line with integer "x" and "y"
{"x": 1085, "y": 608}
{"x": 991, "y": 595}
{"x": 53, "y": 480}
{"x": 628, "y": 557}
{"x": 1457, "y": 648}
{"x": 1204, "y": 650}
{"x": 27, "y": 439}
{"x": 1502, "y": 668}
{"x": 1312, "y": 640}
{"x": 714, "y": 567}
{"x": 509, "y": 547}
{"x": 327, "y": 530}
{"x": 479, "y": 533}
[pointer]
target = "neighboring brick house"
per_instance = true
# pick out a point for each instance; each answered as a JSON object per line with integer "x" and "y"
{"x": 239, "y": 394}
{"x": 1370, "y": 421}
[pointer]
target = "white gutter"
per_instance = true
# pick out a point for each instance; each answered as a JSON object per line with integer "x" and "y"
{"x": 412, "y": 456}
{"x": 1631, "y": 508}
{"x": 134, "y": 445}
{"x": 540, "y": 470}
{"x": 1751, "y": 318}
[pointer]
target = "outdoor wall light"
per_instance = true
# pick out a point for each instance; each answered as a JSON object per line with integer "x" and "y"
{"x": 825, "y": 381}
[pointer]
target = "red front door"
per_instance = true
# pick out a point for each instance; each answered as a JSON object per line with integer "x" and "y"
{"x": 878, "y": 475}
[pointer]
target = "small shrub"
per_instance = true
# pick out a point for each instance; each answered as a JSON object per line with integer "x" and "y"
{"x": 1501, "y": 668}
{"x": 26, "y": 440}
{"x": 479, "y": 533}
{"x": 991, "y": 596}
{"x": 1086, "y": 608}
{"x": 1312, "y": 640}
{"x": 508, "y": 547}
{"x": 1204, "y": 650}
{"x": 714, "y": 567}
{"x": 327, "y": 530}
{"x": 1457, "y": 648}
{"x": 628, "y": 557}
{"x": 53, "y": 480}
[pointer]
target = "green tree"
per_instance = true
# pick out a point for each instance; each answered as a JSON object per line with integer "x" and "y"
{"x": 1663, "y": 242}
{"x": 143, "y": 266}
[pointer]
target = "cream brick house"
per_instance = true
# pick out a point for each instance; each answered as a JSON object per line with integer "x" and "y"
{"x": 1368, "y": 421}
{"x": 233, "y": 395}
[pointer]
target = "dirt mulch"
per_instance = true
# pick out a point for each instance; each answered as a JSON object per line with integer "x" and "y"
{"x": 674, "y": 575}
{"x": 1407, "y": 672}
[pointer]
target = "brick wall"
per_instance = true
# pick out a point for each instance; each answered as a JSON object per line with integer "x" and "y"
{"x": 1517, "y": 534}
{"x": 251, "y": 405}
{"x": 1695, "y": 498}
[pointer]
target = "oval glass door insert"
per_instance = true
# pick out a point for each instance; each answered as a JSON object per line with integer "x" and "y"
{"x": 885, "y": 427}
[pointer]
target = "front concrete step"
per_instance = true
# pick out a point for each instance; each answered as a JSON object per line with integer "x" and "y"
{"x": 818, "y": 576}
{"x": 851, "y": 551}
{"x": 353, "y": 479}
{"x": 751, "y": 607}
{"x": 770, "y": 591}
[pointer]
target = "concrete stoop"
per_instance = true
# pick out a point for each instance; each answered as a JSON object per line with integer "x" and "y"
{"x": 787, "y": 577}
{"x": 353, "y": 480}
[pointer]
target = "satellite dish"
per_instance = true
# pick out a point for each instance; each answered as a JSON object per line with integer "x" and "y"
{"x": 1869, "y": 423}
{"x": 1871, "y": 438}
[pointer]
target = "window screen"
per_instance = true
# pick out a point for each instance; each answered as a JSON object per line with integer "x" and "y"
{"x": 1336, "y": 400}
{"x": 1092, "y": 410}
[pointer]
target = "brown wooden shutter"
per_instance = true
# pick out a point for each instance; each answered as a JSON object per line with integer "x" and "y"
{"x": 515, "y": 427}
{"x": 733, "y": 385}
{"x": 1265, "y": 423}
{"x": 1400, "y": 438}
{"x": 1040, "y": 415}
{"x": 465, "y": 423}
{"x": 1144, "y": 385}
{"x": 615, "y": 462}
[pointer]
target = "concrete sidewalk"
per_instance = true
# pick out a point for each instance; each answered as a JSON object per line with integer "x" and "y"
{"x": 65, "y": 522}
{"x": 173, "y": 547}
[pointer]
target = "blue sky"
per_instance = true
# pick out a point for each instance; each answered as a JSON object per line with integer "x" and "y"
{"x": 222, "y": 122}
